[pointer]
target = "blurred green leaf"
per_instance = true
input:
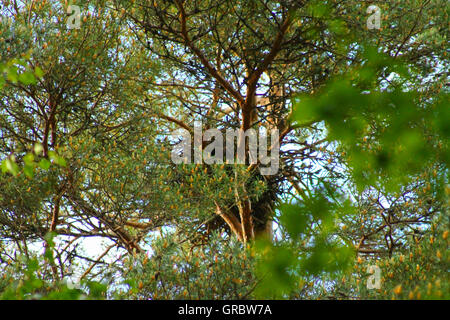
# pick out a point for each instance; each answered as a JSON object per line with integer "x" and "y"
{"x": 27, "y": 78}
{"x": 44, "y": 164}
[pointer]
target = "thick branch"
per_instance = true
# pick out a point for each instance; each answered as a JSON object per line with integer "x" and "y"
{"x": 232, "y": 222}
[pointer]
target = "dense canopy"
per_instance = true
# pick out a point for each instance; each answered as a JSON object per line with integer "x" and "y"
{"x": 96, "y": 96}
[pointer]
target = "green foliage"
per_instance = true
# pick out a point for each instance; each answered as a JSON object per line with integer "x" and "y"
{"x": 85, "y": 141}
{"x": 388, "y": 134}
{"x": 30, "y": 162}
{"x": 18, "y": 70}
{"x": 419, "y": 270}
{"x": 311, "y": 249}
{"x": 26, "y": 279}
{"x": 219, "y": 269}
